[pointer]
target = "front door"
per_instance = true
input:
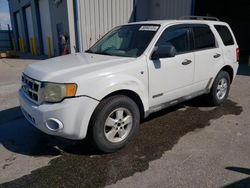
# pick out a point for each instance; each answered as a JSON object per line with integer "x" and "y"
{"x": 171, "y": 78}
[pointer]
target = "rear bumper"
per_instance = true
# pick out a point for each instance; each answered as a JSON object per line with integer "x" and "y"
{"x": 235, "y": 67}
{"x": 72, "y": 115}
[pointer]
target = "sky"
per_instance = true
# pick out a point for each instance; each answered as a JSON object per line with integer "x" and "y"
{"x": 4, "y": 14}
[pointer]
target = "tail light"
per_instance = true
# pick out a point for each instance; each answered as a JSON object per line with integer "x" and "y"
{"x": 238, "y": 54}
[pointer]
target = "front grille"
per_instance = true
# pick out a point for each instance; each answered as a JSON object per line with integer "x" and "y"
{"x": 32, "y": 89}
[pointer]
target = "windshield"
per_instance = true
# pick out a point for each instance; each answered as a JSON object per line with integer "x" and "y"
{"x": 125, "y": 41}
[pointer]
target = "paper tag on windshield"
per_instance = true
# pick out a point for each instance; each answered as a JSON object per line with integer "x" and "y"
{"x": 148, "y": 28}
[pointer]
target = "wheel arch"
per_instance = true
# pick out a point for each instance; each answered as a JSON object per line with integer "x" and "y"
{"x": 229, "y": 70}
{"x": 133, "y": 96}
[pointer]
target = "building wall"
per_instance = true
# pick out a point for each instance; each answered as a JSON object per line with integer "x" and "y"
{"x": 142, "y": 10}
{"x": 236, "y": 14}
{"x": 58, "y": 20}
{"x": 163, "y": 9}
{"x": 93, "y": 18}
{"x": 46, "y": 30}
{"x": 5, "y": 40}
{"x": 18, "y": 6}
{"x": 97, "y": 17}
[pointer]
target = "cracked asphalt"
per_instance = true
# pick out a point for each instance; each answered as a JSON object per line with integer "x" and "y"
{"x": 188, "y": 145}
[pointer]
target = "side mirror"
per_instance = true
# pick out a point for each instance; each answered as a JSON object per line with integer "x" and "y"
{"x": 163, "y": 51}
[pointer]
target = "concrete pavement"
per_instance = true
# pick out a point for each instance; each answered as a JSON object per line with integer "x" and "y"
{"x": 189, "y": 145}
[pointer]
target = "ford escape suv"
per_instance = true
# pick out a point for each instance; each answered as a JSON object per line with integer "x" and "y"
{"x": 133, "y": 71}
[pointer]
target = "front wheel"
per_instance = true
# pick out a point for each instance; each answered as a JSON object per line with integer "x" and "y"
{"x": 114, "y": 123}
{"x": 220, "y": 88}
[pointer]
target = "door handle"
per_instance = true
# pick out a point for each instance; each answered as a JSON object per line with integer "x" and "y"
{"x": 186, "y": 62}
{"x": 217, "y": 55}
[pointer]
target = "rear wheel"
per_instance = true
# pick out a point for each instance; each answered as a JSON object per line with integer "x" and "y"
{"x": 114, "y": 123}
{"x": 220, "y": 89}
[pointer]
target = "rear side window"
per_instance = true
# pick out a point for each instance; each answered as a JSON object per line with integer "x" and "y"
{"x": 178, "y": 37}
{"x": 203, "y": 38}
{"x": 225, "y": 35}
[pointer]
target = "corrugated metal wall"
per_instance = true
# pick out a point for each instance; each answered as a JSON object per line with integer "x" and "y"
{"x": 97, "y": 17}
{"x": 169, "y": 9}
{"x": 5, "y": 40}
{"x": 163, "y": 9}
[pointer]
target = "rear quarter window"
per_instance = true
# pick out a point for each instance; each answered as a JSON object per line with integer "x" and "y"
{"x": 225, "y": 35}
{"x": 203, "y": 38}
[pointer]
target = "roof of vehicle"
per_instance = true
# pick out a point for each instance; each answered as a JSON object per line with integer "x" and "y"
{"x": 168, "y": 22}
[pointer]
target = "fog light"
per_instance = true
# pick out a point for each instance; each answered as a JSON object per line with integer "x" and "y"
{"x": 53, "y": 124}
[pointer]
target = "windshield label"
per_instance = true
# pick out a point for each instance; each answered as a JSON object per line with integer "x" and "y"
{"x": 148, "y": 28}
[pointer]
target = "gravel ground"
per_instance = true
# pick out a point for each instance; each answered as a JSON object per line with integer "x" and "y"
{"x": 189, "y": 145}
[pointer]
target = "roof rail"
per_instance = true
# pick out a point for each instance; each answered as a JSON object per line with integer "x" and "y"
{"x": 198, "y": 18}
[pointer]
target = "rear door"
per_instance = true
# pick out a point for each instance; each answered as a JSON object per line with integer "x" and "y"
{"x": 207, "y": 56}
{"x": 230, "y": 44}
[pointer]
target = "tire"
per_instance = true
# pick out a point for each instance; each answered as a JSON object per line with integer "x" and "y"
{"x": 223, "y": 82}
{"x": 114, "y": 123}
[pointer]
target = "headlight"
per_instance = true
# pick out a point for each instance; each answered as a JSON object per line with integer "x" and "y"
{"x": 57, "y": 92}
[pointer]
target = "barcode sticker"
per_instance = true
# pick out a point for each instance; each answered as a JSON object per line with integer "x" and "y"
{"x": 148, "y": 28}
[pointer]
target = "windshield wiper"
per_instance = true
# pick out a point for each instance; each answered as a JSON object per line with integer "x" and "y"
{"x": 101, "y": 53}
{"x": 89, "y": 51}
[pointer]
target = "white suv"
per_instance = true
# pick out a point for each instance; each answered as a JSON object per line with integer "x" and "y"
{"x": 133, "y": 71}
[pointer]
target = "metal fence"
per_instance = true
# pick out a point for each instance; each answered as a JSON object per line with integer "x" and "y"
{"x": 5, "y": 40}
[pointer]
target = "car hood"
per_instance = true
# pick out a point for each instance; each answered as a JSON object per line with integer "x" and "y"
{"x": 64, "y": 69}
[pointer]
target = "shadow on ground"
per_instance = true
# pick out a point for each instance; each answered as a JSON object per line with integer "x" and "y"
{"x": 244, "y": 69}
{"x": 29, "y": 56}
{"x": 81, "y": 165}
{"x": 19, "y": 136}
{"x": 242, "y": 183}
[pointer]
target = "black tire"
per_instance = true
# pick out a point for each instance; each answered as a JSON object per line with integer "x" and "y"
{"x": 103, "y": 111}
{"x": 213, "y": 97}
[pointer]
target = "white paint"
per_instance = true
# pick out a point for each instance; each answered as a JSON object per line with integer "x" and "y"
{"x": 172, "y": 79}
{"x": 45, "y": 24}
{"x": 97, "y": 76}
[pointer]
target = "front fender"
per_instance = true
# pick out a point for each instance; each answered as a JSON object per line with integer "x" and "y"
{"x": 99, "y": 88}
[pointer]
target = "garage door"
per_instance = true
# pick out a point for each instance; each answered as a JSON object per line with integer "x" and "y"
{"x": 45, "y": 25}
{"x": 29, "y": 24}
{"x": 19, "y": 30}
{"x": 97, "y": 17}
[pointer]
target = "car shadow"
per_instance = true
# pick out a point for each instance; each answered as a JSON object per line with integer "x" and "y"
{"x": 244, "y": 70}
{"x": 19, "y": 136}
{"x": 241, "y": 183}
{"x": 82, "y": 164}
{"x": 198, "y": 102}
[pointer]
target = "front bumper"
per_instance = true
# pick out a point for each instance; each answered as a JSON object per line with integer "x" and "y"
{"x": 72, "y": 114}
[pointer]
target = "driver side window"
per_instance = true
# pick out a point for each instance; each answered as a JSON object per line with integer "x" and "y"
{"x": 177, "y": 37}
